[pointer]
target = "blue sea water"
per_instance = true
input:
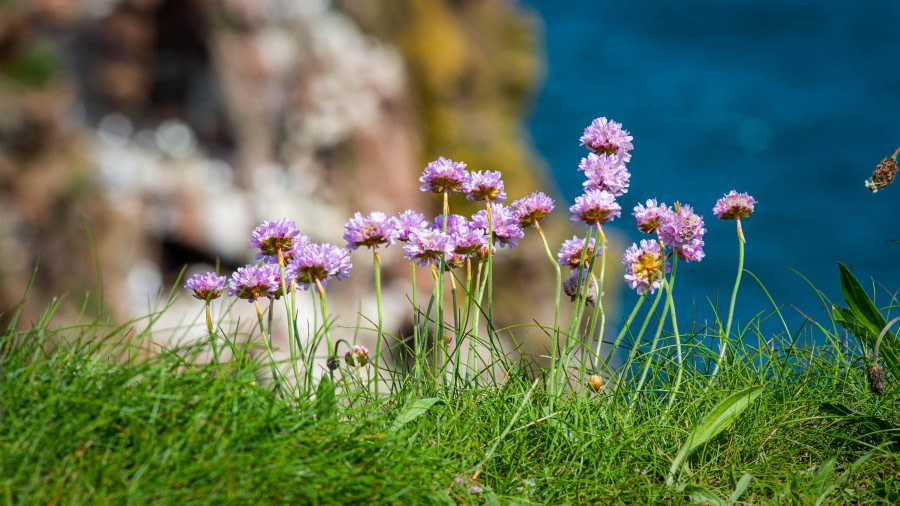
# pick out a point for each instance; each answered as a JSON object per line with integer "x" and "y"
{"x": 794, "y": 102}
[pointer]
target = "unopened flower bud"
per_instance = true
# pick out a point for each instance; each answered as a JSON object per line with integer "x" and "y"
{"x": 595, "y": 382}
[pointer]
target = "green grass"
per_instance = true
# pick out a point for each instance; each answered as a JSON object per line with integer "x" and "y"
{"x": 86, "y": 421}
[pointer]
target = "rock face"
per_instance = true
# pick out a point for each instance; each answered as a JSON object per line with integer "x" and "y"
{"x": 166, "y": 130}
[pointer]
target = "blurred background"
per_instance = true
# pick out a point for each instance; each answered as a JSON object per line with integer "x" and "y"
{"x": 169, "y": 129}
{"x": 795, "y": 102}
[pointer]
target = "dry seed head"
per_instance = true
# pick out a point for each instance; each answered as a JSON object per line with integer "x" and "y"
{"x": 884, "y": 174}
{"x": 876, "y": 379}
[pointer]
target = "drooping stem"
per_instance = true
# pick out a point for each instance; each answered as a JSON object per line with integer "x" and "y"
{"x": 882, "y": 333}
{"x": 725, "y": 336}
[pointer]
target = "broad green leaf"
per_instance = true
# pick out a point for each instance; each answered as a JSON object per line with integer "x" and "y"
{"x": 860, "y": 302}
{"x": 412, "y": 411}
{"x": 712, "y": 424}
{"x": 862, "y": 319}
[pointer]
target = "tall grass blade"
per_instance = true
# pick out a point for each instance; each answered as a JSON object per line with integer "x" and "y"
{"x": 712, "y": 424}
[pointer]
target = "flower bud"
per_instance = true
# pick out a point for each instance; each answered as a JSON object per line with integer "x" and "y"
{"x": 595, "y": 382}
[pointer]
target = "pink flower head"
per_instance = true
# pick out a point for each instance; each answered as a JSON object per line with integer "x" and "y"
{"x": 319, "y": 262}
{"x": 272, "y": 236}
{"x": 481, "y": 186}
{"x": 469, "y": 240}
{"x": 428, "y": 246}
{"x": 734, "y": 205}
{"x": 455, "y": 223}
{"x": 604, "y": 136}
{"x": 504, "y": 223}
{"x": 533, "y": 208}
{"x": 207, "y": 286}
{"x": 370, "y": 231}
{"x": 644, "y": 266}
{"x": 571, "y": 251}
{"x": 358, "y": 355}
{"x": 443, "y": 175}
{"x": 595, "y": 207}
{"x": 605, "y": 172}
{"x": 649, "y": 218}
{"x": 252, "y": 282}
{"x": 682, "y": 229}
{"x": 407, "y": 223}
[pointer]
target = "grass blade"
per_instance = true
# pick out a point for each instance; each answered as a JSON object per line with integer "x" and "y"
{"x": 412, "y": 411}
{"x": 713, "y": 423}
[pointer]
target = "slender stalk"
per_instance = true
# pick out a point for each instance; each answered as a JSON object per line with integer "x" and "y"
{"x": 625, "y": 329}
{"x": 376, "y": 261}
{"x": 555, "y": 345}
{"x": 419, "y": 366}
{"x": 276, "y": 371}
{"x": 324, "y": 313}
{"x": 212, "y": 335}
{"x": 582, "y": 289}
{"x": 667, "y": 287}
{"x": 671, "y": 303}
{"x": 490, "y": 262}
{"x": 290, "y": 310}
{"x": 726, "y": 336}
{"x": 598, "y": 309}
{"x": 637, "y": 341}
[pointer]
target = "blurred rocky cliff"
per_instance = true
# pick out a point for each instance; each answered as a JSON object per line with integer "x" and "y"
{"x": 166, "y": 130}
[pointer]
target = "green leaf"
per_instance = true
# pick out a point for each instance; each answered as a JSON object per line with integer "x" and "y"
{"x": 412, "y": 411}
{"x": 325, "y": 405}
{"x": 862, "y": 319}
{"x": 700, "y": 494}
{"x": 712, "y": 424}
{"x": 741, "y": 487}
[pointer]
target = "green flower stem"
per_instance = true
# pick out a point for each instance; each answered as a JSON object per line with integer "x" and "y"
{"x": 419, "y": 366}
{"x": 598, "y": 308}
{"x": 324, "y": 313}
{"x": 438, "y": 295}
{"x": 376, "y": 261}
{"x": 667, "y": 287}
{"x": 212, "y": 335}
{"x": 476, "y": 311}
{"x": 490, "y": 263}
{"x": 289, "y": 309}
{"x": 470, "y": 300}
{"x": 555, "y": 345}
{"x": 276, "y": 371}
{"x": 577, "y": 309}
{"x": 637, "y": 341}
{"x": 670, "y": 302}
{"x": 726, "y": 336}
{"x": 625, "y": 329}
